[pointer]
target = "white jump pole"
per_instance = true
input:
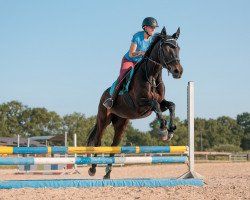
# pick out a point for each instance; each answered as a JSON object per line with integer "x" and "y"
{"x": 190, "y": 113}
{"x": 75, "y": 171}
{"x": 65, "y": 139}
{"x": 190, "y": 117}
{"x": 75, "y": 145}
{"x": 18, "y": 142}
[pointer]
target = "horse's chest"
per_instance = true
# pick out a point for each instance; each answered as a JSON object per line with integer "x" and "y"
{"x": 155, "y": 93}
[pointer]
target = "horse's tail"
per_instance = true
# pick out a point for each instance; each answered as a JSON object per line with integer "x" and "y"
{"x": 91, "y": 138}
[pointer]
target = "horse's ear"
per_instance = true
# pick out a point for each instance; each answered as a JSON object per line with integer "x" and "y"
{"x": 177, "y": 34}
{"x": 163, "y": 31}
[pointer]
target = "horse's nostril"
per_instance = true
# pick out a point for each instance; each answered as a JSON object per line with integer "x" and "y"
{"x": 176, "y": 71}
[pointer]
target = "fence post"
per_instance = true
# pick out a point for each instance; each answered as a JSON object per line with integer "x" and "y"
{"x": 190, "y": 117}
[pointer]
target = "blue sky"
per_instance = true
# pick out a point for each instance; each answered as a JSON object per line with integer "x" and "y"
{"x": 62, "y": 55}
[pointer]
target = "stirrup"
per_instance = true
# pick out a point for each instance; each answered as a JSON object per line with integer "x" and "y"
{"x": 108, "y": 103}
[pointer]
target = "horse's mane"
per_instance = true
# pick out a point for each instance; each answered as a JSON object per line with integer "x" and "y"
{"x": 155, "y": 39}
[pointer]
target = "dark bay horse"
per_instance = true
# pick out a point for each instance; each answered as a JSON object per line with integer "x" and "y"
{"x": 146, "y": 94}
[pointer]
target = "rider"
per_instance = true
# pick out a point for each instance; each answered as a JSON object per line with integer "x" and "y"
{"x": 139, "y": 44}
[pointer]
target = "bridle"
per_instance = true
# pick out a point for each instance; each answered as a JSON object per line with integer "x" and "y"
{"x": 171, "y": 42}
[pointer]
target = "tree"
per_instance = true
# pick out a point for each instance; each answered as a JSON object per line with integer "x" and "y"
{"x": 137, "y": 138}
{"x": 180, "y": 136}
{"x": 223, "y": 133}
{"x": 224, "y": 130}
{"x": 244, "y": 121}
{"x": 10, "y": 118}
{"x": 3, "y": 128}
{"x": 201, "y": 139}
{"x": 40, "y": 122}
{"x": 15, "y": 118}
{"x": 77, "y": 123}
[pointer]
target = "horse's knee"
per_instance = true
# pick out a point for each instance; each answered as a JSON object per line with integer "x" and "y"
{"x": 163, "y": 108}
{"x": 167, "y": 105}
{"x": 171, "y": 106}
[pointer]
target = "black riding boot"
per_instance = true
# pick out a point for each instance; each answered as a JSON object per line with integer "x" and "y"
{"x": 108, "y": 103}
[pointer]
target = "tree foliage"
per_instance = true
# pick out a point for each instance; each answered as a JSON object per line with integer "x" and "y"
{"x": 221, "y": 134}
{"x": 244, "y": 121}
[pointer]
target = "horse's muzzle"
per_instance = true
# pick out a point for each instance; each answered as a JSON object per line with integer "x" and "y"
{"x": 177, "y": 71}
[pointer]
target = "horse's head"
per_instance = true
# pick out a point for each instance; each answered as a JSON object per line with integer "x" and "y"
{"x": 168, "y": 53}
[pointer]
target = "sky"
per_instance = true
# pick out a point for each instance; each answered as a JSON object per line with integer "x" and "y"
{"x": 63, "y": 54}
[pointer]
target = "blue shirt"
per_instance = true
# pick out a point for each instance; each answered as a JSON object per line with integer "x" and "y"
{"x": 142, "y": 45}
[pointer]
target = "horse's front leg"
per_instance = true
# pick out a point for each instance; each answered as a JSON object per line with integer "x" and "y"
{"x": 163, "y": 132}
{"x": 164, "y": 105}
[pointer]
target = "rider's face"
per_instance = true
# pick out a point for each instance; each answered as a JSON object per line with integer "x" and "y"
{"x": 150, "y": 29}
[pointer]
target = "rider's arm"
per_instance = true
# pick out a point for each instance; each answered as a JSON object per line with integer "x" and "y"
{"x": 132, "y": 51}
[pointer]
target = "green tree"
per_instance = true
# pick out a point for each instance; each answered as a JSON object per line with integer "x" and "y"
{"x": 223, "y": 130}
{"x": 10, "y": 118}
{"x": 230, "y": 131}
{"x": 40, "y": 122}
{"x": 78, "y": 124}
{"x": 244, "y": 121}
{"x": 180, "y": 136}
{"x": 15, "y": 118}
{"x": 201, "y": 139}
{"x": 137, "y": 138}
{"x": 3, "y": 128}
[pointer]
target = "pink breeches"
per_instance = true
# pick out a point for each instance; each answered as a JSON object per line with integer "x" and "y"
{"x": 126, "y": 65}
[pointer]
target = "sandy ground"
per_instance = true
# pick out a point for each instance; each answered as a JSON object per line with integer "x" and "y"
{"x": 227, "y": 181}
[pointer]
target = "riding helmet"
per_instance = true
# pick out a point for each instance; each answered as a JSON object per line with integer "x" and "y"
{"x": 149, "y": 21}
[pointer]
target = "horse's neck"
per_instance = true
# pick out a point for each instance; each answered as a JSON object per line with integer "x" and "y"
{"x": 153, "y": 65}
{"x": 154, "y": 53}
{"x": 148, "y": 68}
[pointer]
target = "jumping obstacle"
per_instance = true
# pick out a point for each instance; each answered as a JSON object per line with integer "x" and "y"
{"x": 55, "y": 165}
{"x": 189, "y": 178}
{"x": 94, "y": 160}
{"x": 79, "y": 183}
{"x": 46, "y": 169}
{"x": 93, "y": 150}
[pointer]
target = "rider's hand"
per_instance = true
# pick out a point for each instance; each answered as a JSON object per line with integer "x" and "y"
{"x": 142, "y": 53}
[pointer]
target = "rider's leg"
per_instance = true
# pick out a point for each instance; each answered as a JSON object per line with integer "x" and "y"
{"x": 108, "y": 103}
{"x": 126, "y": 65}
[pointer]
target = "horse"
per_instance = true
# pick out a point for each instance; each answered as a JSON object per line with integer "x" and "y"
{"x": 146, "y": 95}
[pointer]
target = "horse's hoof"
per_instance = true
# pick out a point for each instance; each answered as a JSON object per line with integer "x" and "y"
{"x": 107, "y": 176}
{"x": 163, "y": 135}
{"x": 92, "y": 171}
{"x": 172, "y": 128}
{"x": 170, "y": 135}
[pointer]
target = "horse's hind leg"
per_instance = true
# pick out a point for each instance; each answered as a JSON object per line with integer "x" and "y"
{"x": 92, "y": 142}
{"x": 103, "y": 120}
{"x": 171, "y": 106}
{"x": 119, "y": 127}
